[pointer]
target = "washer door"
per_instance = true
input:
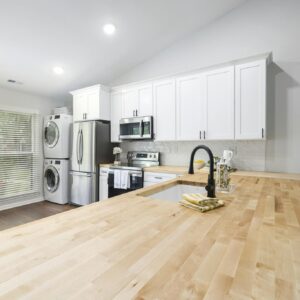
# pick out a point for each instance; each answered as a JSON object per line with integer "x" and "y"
{"x": 51, "y": 134}
{"x": 51, "y": 179}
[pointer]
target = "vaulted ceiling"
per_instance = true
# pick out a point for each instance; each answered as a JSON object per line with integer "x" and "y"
{"x": 36, "y": 35}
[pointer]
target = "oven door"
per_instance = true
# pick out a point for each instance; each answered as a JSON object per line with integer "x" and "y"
{"x": 136, "y": 128}
{"x": 136, "y": 182}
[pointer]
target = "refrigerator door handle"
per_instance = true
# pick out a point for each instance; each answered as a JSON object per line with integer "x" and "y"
{"x": 80, "y": 174}
{"x": 77, "y": 146}
{"x": 81, "y": 146}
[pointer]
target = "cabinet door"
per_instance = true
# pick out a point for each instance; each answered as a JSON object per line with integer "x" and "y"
{"x": 250, "y": 100}
{"x": 220, "y": 104}
{"x": 79, "y": 107}
{"x": 93, "y": 107}
{"x": 145, "y": 100}
{"x": 164, "y": 110}
{"x": 191, "y": 107}
{"x": 103, "y": 184}
{"x": 129, "y": 102}
{"x": 116, "y": 115}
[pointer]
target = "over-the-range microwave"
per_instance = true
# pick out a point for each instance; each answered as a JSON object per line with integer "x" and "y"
{"x": 136, "y": 128}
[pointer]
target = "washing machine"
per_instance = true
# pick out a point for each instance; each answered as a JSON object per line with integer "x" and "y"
{"x": 56, "y": 185}
{"x": 57, "y": 134}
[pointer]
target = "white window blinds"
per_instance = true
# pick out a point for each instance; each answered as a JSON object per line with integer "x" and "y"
{"x": 20, "y": 157}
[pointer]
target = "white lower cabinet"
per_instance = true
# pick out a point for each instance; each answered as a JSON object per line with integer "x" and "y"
{"x": 151, "y": 178}
{"x": 250, "y": 100}
{"x": 164, "y": 110}
{"x": 103, "y": 184}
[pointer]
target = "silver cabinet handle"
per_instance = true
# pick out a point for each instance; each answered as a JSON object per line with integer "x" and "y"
{"x": 262, "y": 133}
{"x": 136, "y": 112}
{"x": 160, "y": 178}
{"x": 204, "y": 134}
{"x": 200, "y": 135}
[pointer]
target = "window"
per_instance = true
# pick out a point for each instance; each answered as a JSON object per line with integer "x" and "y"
{"x": 20, "y": 157}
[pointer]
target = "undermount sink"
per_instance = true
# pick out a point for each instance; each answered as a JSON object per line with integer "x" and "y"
{"x": 174, "y": 193}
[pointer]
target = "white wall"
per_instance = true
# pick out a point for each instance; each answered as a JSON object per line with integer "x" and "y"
{"x": 20, "y": 100}
{"x": 258, "y": 26}
{"x": 9, "y": 97}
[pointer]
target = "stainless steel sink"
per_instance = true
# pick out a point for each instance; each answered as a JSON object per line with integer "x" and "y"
{"x": 174, "y": 193}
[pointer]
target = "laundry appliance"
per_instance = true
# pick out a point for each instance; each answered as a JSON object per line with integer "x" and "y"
{"x": 57, "y": 134}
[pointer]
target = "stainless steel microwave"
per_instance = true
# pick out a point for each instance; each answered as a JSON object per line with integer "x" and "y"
{"x": 137, "y": 128}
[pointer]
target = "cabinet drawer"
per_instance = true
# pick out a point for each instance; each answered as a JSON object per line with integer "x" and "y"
{"x": 158, "y": 177}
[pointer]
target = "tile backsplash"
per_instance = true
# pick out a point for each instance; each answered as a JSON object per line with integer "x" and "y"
{"x": 248, "y": 155}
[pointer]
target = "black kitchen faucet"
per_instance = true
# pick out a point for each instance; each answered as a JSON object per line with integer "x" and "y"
{"x": 211, "y": 186}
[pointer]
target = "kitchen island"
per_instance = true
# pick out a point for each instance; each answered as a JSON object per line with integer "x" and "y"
{"x": 133, "y": 247}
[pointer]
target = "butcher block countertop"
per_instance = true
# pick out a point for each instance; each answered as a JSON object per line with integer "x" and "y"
{"x": 183, "y": 170}
{"x": 132, "y": 247}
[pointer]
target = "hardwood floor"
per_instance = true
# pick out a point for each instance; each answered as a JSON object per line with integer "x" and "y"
{"x": 31, "y": 212}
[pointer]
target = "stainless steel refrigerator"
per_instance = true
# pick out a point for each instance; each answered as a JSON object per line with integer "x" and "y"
{"x": 91, "y": 146}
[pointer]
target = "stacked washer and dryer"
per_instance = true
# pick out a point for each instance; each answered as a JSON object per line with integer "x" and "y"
{"x": 57, "y": 133}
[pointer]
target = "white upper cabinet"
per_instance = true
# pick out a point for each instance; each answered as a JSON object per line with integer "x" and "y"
{"x": 250, "y": 100}
{"x": 145, "y": 100}
{"x": 224, "y": 103}
{"x": 116, "y": 114}
{"x": 79, "y": 107}
{"x": 219, "y": 90}
{"x": 191, "y": 107}
{"x": 164, "y": 110}
{"x": 129, "y": 102}
{"x": 91, "y": 103}
{"x": 137, "y": 101}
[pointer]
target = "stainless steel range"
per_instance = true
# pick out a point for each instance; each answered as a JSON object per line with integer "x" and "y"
{"x": 132, "y": 172}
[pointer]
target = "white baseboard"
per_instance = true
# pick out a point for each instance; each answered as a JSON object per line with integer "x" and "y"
{"x": 25, "y": 202}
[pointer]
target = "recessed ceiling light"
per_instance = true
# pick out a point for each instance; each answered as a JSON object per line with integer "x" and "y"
{"x": 58, "y": 70}
{"x": 109, "y": 29}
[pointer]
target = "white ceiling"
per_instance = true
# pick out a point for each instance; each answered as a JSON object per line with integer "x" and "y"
{"x": 36, "y": 35}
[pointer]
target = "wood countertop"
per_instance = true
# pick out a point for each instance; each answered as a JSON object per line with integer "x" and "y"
{"x": 131, "y": 247}
{"x": 182, "y": 170}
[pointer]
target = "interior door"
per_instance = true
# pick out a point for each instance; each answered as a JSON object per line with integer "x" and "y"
{"x": 87, "y": 147}
{"x": 75, "y": 148}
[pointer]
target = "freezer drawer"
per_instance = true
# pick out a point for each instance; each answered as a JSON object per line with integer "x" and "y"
{"x": 84, "y": 188}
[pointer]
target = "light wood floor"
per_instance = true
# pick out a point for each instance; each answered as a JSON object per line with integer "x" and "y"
{"x": 31, "y": 212}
